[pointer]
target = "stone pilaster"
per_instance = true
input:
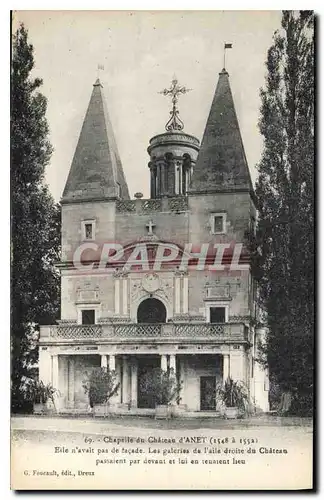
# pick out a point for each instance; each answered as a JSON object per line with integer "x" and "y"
{"x": 134, "y": 384}
{"x": 117, "y": 296}
{"x": 164, "y": 362}
{"x": 45, "y": 365}
{"x": 237, "y": 365}
{"x": 226, "y": 366}
{"x": 103, "y": 360}
{"x": 125, "y": 296}
{"x": 55, "y": 371}
{"x": 125, "y": 381}
{"x": 70, "y": 383}
{"x": 185, "y": 294}
{"x": 172, "y": 363}
{"x": 112, "y": 362}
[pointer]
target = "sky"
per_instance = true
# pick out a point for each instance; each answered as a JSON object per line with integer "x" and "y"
{"x": 140, "y": 52}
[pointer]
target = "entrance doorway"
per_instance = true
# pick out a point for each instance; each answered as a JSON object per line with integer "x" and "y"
{"x": 207, "y": 393}
{"x": 151, "y": 311}
{"x": 145, "y": 390}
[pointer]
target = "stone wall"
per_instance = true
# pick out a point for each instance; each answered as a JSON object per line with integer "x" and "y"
{"x": 94, "y": 290}
{"x": 238, "y": 208}
{"x": 72, "y": 215}
{"x": 169, "y": 226}
{"x": 191, "y": 369}
{"x": 178, "y": 227}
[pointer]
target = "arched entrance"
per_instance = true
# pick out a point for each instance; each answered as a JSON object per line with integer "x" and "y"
{"x": 151, "y": 311}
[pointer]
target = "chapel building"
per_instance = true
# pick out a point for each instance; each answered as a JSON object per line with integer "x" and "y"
{"x": 202, "y": 321}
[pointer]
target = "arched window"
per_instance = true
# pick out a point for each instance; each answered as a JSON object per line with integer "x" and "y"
{"x": 151, "y": 311}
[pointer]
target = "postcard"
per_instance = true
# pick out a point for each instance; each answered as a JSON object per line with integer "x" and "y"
{"x": 162, "y": 167}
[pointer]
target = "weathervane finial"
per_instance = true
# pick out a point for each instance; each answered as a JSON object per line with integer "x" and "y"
{"x": 174, "y": 123}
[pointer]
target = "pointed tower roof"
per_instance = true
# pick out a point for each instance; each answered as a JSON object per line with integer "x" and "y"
{"x": 96, "y": 171}
{"x": 221, "y": 164}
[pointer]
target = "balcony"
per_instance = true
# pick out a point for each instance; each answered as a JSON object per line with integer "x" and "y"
{"x": 141, "y": 332}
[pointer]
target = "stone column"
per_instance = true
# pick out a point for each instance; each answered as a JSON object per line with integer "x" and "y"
{"x": 119, "y": 379}
{"x": 164, "y": 362}
{"x": 187, "y": 179}
{"x": 159, "y": 180}
{"x": 171, "y": 177}
{"x": 166, "y": 177}
{"x": 55, "y": 372}
{"x": 125, "y": 382}
{"x": 182, "y": 380}
{"x": 162, "y": 171}
{"x": 173, "y": 363}
{"x": 176, "y": 178}
{"x": 115, "y": 399}
{"x": 71, "y": 381}
{"x": 112, "y": 362}
{"x": 152, "y": 182}
{"x": 134, "y": 384}
{"x": 103, "y": 360}
{"x": 184, "y": 179}
{"x": 226, "y": 366}
{"x": 55, "y": 381}
{"x": 180, "y": 178}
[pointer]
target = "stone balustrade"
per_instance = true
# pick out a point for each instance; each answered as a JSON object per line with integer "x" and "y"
{"x": 142, "y": 206}
{"x": 225, "y": 332}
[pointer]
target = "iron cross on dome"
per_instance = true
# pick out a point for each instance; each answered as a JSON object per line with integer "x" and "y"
{"x": 174, "y": 123}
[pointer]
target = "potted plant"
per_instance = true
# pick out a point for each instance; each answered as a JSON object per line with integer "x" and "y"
{"x": 233, "y": 395}
{"x": 100, "y": 386}
{"x": 42, "y": 396}
{"x": 163, "y": 390}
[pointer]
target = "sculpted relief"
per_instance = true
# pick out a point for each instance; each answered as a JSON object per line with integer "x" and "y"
{"x": 151, "y": 283}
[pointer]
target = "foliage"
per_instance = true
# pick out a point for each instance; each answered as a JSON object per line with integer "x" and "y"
{"x": 38, "y": 392}
{"x": 162, "y": 386}
{"x": 233, "y": 394}
{"x": 283, "y": 247}
{"x": 35, "y": 218}
{"x": 100, "y": 386}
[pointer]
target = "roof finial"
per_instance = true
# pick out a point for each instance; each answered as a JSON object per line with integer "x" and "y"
{"x": 174, "y": 123}
{"x": 99, "y": 67}
{"x": 226, "y": 46}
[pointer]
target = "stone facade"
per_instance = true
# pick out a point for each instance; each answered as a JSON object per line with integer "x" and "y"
{"x": 103, "y": 321}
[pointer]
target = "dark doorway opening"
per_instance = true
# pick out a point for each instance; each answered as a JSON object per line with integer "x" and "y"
{"x": 145, "y": 392}
{"x": 151, "y": 311}
{"x": 207, "y": 393}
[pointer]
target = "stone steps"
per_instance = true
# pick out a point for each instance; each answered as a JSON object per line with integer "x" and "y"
{"x": 140, "y": 412}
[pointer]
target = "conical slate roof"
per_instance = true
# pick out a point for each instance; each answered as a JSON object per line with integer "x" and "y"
{"x": 96, "y": 171}
{"x": 221, "y": 164}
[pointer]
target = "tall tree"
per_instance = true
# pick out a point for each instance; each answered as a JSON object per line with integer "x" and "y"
{"x": 284, "y": 260}
{"x": 35, "y": 218}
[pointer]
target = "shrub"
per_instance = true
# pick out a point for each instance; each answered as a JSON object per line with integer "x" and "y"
{"x": 161, "y": 386}
{"x": 233, "y": 393}
{"x": 38, "y": 392}
{"x": 100, "y": 386}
